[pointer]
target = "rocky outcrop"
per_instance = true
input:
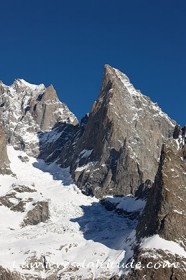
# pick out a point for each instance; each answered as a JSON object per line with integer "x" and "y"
{"x": 164, "y": 216}
{"x": 23, "y": 199}
{"x": 40, "y": 213}
{"x": 7, "y": 275}
{"x": 4, "y": 161}
{"x": 121, "y": 144}
{"x": 13, "y": 201}
{"x": 164, "y": 213}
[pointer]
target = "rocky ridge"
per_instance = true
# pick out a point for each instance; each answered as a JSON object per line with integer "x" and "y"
{"x": 28, "y": 109}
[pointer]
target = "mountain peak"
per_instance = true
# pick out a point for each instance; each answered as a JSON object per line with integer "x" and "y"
{"x": 120, "y": 79}
{"x": 27, "y": 109}
{"x": 108, "y": 68}
{"x": 120, "y": 122}
{"x": 22, "y": 83}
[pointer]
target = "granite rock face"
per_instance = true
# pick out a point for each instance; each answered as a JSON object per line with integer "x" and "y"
{"x": 121, "y": 144}
{"x": 4, "y": 161}
{"x": 164, "y": 215}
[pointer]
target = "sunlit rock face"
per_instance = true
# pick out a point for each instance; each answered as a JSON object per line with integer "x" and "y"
{"x": 121, "y": 145}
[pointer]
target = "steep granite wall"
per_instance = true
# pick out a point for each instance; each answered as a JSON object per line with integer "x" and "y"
{"x": 120, "y": 147}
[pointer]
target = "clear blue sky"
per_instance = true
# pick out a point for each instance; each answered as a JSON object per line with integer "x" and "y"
{"x": 67, "y": 43}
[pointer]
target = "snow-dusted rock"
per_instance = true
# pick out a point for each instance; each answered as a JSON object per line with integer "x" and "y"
{"x": 28, "y": 109}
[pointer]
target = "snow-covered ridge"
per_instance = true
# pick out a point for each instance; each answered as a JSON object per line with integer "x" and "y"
{"x": 21, "y": 83}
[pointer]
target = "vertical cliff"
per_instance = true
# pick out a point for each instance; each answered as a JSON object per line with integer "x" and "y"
{"x": 4, "y": 161}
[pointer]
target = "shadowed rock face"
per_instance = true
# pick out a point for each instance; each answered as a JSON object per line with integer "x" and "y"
{"x": 123, "y": 137}
{"x": 164, "y": 214}
{"x": 4, "y": 161}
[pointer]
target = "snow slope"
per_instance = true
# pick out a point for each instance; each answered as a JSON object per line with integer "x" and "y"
{"x": 80, "y": 238}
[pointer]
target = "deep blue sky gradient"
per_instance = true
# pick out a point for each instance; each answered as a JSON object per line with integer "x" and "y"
{"x": 67, "y": 43}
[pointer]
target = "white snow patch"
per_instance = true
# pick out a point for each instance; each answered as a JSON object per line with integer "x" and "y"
{"x": 178, "y": 212}
{"x": 85, "y": 153}
{"x": 83, "y": 167}
{"x": 156, "y": 242}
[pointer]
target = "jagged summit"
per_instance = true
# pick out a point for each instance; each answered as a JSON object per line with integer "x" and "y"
{"x": 125, "y": 129}
{"x": 120, "y": 80}
{"x": 27, "y": 109}
{"x": 114, "y": 73}
{"x": 22, "y": 84}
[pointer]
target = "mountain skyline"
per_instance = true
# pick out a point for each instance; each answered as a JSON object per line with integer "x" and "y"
{"x": 108, "y": 189}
